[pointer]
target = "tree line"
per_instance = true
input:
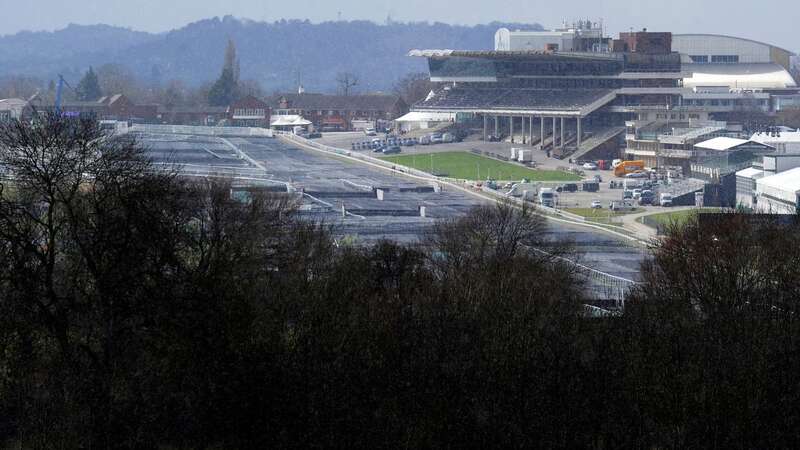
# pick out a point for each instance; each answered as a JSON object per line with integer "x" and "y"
{"x": 139, "y": 310}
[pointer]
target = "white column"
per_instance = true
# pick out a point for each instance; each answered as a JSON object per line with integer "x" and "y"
{"x": 496, "y": 126}
{"x": 531, "y": 131}
{"x": 541, "y": 124}
{"x": 523, "y": 130}
{"x": 485, "y": 126}
{"x": 562, "y": 132}
{"x": 555, "y": 138}
{"x": 511, "y": 128}
{"x": 579, "y": 132}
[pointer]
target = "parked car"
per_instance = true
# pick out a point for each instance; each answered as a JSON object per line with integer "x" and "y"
{"x": 637, "y": 194}
{"x": 570, "y": 187}
{"x": 627, "y": 195}
{"x": 590, "y": 166}
{"x": 598, "y": 178}
{"x": 622, "y": 206}
{"x": 370, "y": 131}
{"x": 436, "y": 138}
{"x": 448, "y": 138}
{"x": 666, "y": 199}
{"x": 493, "y": 138}
{"x": 314, "y": 135}
{"x": 391, "y": 150}
{"x": 425, "y": 140}
{"x": 596, "y": 204}
{"x": 640, "y": 174}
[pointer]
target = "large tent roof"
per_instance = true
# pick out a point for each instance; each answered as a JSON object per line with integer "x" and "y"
{"x": 743, "y": 76}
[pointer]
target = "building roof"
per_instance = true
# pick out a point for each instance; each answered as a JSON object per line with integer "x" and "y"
{"x": 513, "y": 54}
{"x": 782, "y": 137}
{"x": 723, "y": 143}
{"x": 702, "y": 35}
{"x": 788, "y": 181}
{"x": 288, "y": 121}
{"x": 513, "y": 99}
{"x": 9, "y": 103}
{"x": 743, "y": 76}
{"x": 750, "y": 172}
{"x": 366, "y": 102}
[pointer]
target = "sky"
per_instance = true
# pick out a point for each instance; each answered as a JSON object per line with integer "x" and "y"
{"x": 773, "y": 21}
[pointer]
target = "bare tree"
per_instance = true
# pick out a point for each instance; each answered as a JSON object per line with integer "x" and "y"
{"x": 413, "y": 87}
{"x": 346, "y": 81}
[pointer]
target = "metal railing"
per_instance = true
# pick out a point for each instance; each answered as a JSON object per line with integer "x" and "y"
{"x": 203, "y": 131}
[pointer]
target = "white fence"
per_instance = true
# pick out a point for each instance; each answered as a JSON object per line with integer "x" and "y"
{"x": 203, "y": 131}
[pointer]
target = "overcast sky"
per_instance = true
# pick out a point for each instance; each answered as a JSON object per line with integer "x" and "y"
{"x": 774, "y": 21}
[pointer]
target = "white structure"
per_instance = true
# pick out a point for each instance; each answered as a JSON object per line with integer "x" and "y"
{"x": 746, "y": 187}
{"x": 563, "y": 39}
{"x": 738, "y": 76}
{"x": 288, "y": 121}
{"x": 720, "y": 49}
{"x": 784, "y": 142}
{"x": 777, "y": 194}
{"x": 423, "y": 120}
{"x": 769, "y": 188}
{"x": 12, "y": 108}
{"x": 737, "y": 63}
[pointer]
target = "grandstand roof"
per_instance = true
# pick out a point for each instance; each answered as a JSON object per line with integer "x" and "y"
{"x": 504, "y": 54}
{"x": 532, "y": 101}
{"x": 701, "y": 35}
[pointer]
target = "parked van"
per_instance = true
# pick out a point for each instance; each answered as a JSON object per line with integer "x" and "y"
{"x": 666, "y": 199}
{"x": 626, "y": 167}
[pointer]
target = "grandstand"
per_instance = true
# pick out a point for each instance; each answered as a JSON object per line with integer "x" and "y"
{"x": 574, "y": 96}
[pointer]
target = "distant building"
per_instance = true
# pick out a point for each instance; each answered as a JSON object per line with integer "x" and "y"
{"x": 192, "y": 115}
{"x": 112, "y": 107}
{"x": 249, "y": 112}
{"x": 13, "y": 108}
{"x": 337, "y": 112}
{"x": 771, "y": 186}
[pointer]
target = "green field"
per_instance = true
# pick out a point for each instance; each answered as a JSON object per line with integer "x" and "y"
{"x": 469, "y": 166}
{"x": 673, "y": 217}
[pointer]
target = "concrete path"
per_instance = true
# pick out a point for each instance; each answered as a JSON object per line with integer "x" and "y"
{"x": 631, "y": 221}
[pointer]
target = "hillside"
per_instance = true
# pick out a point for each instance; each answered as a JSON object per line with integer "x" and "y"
{"x": 275, "y": 54}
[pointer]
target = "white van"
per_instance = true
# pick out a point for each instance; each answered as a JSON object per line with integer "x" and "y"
{"x": 666, "y": 199}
